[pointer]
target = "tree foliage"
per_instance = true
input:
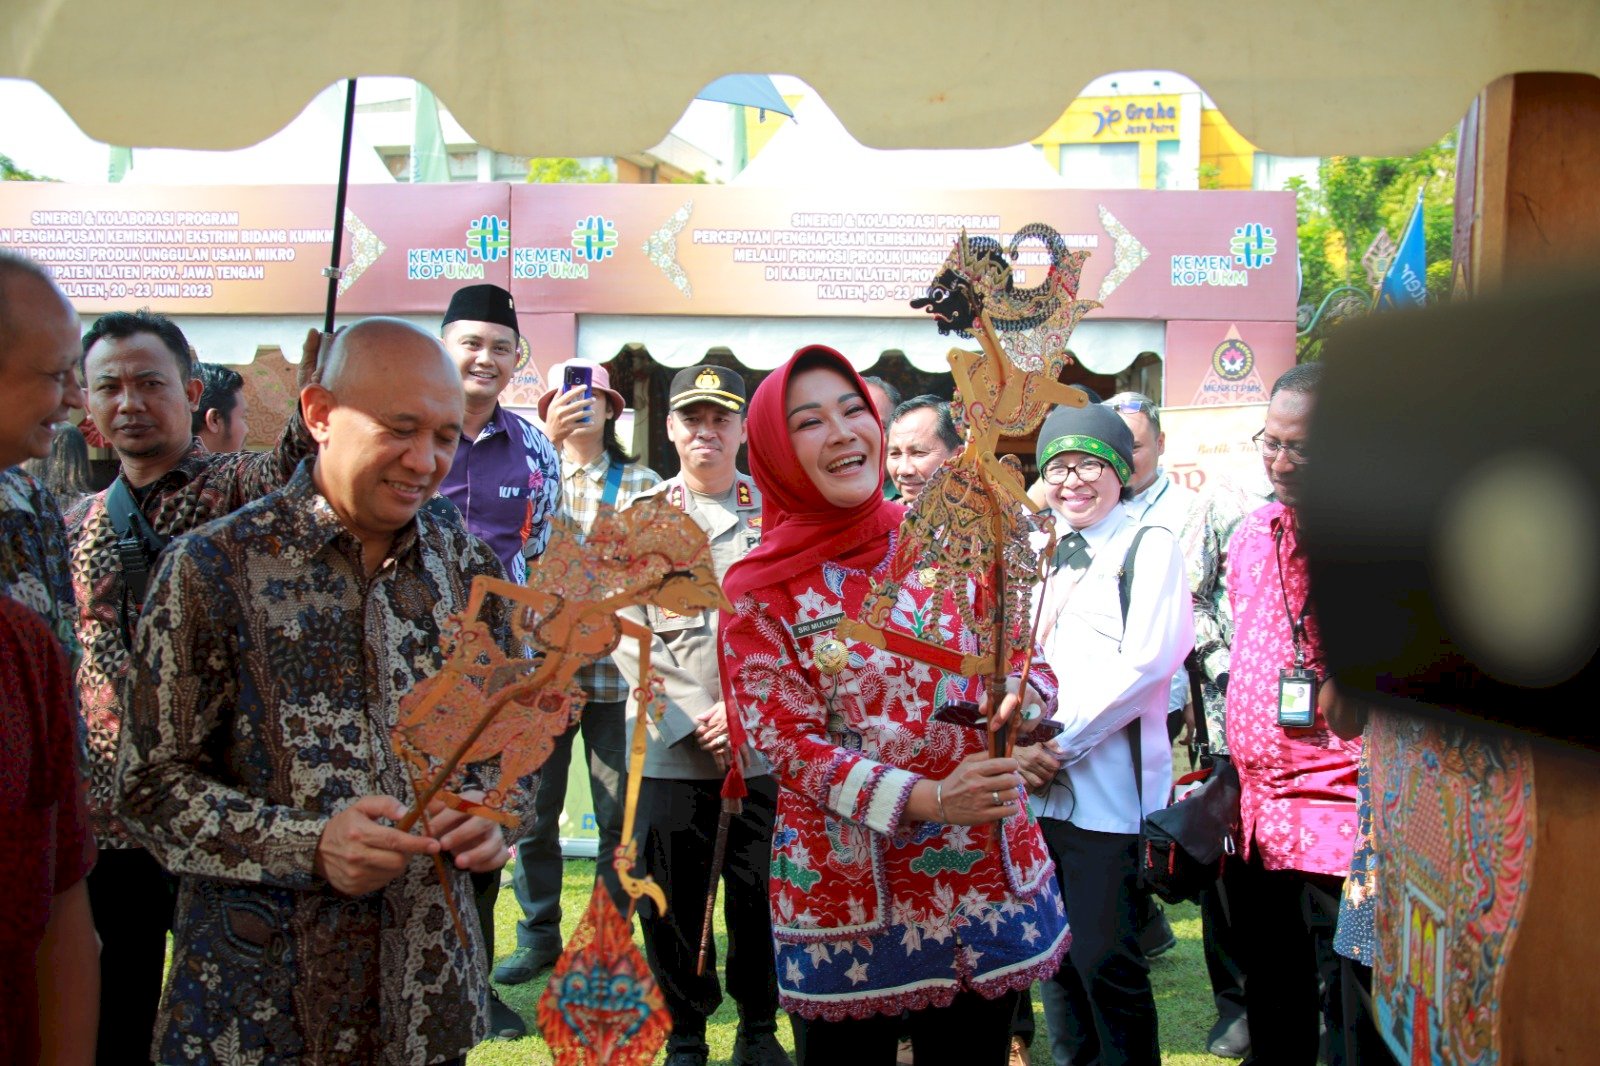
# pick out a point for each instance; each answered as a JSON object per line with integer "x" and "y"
{"x": 9, "y": 171}
{"x": 1354, "y": 198}
{"x": 558, "y": 169}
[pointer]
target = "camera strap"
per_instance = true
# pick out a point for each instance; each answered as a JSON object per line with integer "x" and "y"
{"x": 137, "y": 547}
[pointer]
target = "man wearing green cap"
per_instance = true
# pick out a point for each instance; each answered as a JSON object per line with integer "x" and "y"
{"x": 1112, "y": 764}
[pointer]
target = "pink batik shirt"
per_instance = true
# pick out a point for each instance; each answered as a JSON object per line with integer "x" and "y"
{"x": 1298, "y": 796}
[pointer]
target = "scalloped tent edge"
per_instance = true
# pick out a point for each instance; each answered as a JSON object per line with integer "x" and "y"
{"x": 610, "y": 77}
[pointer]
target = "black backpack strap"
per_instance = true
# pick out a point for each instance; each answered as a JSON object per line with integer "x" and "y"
{"x": 1125, "y": 594}
{"x": 137, "y": 548}
{"x": 1125, "y": 574}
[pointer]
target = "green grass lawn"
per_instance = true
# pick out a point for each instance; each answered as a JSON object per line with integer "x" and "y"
{"x": 1183, "y": 995}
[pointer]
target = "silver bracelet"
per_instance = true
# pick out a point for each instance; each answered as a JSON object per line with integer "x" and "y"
{"x": 938, "y": 798}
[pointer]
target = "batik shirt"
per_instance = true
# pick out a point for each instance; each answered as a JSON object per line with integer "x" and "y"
{"x": 872, "y": 915}
{"x": 1204, "y": 540}
{"x": 44, "y": 831}
{"x": 203, "y": 486}
{"x": 267, "y": 677}
{"x": 33, "y": 554}
{"x": 583, "y": 487}
{"x": 1298, "y": 786}
{"x": 507, "y": 485}
{"x": 1356, "y": 936}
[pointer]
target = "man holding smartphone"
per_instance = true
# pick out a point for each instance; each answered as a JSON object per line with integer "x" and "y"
{"x": 581, "y": 420}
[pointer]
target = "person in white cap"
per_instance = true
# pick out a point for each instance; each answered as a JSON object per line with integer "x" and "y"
{"x": 582, "y": 423}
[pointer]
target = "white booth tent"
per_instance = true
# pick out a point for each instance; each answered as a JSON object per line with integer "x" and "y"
{"x": 609, "y": 77}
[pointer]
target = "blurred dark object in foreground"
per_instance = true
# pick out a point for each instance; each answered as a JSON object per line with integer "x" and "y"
{"x": 1453, "y": 525}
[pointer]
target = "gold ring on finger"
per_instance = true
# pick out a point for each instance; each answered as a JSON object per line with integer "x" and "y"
{"x": 996, "y": 797}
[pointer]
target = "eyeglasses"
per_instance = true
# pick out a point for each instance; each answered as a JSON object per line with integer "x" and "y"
{"x": 1088, "y": 471}
{"x": 1136, "y": 407}
{"x": 1270, "y": 449}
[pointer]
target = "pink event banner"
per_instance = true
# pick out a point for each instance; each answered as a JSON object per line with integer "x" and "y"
{"x": 639, "y": 249}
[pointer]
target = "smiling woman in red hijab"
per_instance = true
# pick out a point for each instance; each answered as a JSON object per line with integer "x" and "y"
{"x": 885, "y": 897}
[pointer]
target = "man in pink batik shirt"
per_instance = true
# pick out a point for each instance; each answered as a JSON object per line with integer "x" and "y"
{"x": 1298, "y": 802}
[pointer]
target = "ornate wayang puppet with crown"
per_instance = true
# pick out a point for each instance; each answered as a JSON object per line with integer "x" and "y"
{"x": 601, "y": 1005}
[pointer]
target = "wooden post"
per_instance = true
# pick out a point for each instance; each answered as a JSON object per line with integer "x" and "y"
{"x": 1539, "y": 151}
{"x": 1539, "y": 164}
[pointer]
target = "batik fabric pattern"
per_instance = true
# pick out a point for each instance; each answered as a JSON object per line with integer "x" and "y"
{"x": 1206, "y": 532}
{"x": 203, "y": 486}
{"x": 1297, "y": 799}
{"x": 1456, "y": 822}
{"x": 43, "y": 824}
{"x": 33, "y": 555}
{"x": 267, "y": 677}
{"x": 872, "y": 915}
{"x": 506, "y": 483}
{"x": 1355, "y": 937}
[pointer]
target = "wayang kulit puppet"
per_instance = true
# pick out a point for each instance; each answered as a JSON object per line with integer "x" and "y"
{"x": 601, "y": 1005}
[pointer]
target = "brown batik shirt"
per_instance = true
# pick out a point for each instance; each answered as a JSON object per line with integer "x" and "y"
{"x": 267, "y": 677}
{"x": 203, "y": 486}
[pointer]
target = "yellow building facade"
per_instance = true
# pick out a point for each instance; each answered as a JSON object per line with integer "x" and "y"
{"x": 1148, "y": 141}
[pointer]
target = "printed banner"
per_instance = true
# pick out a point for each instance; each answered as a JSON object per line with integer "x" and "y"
{"x": 640, "y": 249}
{"x": 1230, "y": 362}
{"x": 1210, "y": 444}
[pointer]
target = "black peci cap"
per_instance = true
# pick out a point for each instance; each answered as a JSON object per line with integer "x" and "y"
{"x": 482, "y": 303}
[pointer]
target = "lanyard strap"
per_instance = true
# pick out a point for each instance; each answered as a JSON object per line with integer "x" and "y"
{"x": 1297, "y": 625}
{"x": 613, "y": 484}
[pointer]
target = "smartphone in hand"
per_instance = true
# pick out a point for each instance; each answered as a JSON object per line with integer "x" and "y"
{"x": 579, "y": 377}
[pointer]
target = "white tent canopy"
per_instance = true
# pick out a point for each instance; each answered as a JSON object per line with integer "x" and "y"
{"x": 38, "y": 135}
{"x": 1103, "y": 346}
{"x": 610, "y": 77}
{"x": 816, "y": 150}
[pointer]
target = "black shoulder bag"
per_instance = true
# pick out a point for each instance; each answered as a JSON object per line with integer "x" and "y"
{"x": 1182, "y": 846}
{"x": 137, "y": 548}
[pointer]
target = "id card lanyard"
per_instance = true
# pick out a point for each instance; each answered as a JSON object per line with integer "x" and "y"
{"x": 1297, "y": 688}
{"x": 1297, "y": 623}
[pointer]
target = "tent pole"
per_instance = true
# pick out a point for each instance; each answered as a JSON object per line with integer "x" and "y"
{"x": 333, "y": 273}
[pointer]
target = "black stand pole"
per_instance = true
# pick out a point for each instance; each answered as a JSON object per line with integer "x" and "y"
{"x": 333, "y": 273}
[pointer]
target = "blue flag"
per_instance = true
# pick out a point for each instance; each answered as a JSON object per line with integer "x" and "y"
{"x": 1405, "y": 283}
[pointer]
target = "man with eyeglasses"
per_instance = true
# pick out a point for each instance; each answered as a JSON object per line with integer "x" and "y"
{"x": 1297, "y": 778}
{"x": 1157, "y": 501}
{"x": 1205, "y": 535}
{"x": 1116, "y": 618}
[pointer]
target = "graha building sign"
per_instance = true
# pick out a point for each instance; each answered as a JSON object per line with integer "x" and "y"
{"x": 1137, "y": 119}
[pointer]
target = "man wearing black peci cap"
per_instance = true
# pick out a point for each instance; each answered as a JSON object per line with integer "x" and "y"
{"x": 680, "y": 797}
{"x": 506, "y": 482}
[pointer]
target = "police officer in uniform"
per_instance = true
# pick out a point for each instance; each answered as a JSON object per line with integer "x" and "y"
{"x": 680, "y": 796}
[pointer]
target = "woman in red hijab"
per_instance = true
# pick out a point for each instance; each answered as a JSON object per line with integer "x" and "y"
{"x": 885, "y": 896}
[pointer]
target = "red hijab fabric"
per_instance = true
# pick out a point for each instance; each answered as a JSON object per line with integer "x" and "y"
{"x": 800, "y": 529}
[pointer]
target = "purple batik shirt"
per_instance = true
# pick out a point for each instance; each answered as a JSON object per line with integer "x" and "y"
{"x": 507, "y": 485}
